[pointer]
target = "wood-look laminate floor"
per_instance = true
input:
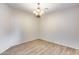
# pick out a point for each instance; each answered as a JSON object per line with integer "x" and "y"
{"x": 40, "y": 47}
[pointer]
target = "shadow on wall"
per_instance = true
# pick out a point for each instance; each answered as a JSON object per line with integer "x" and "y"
{"x": 9, "y": 39}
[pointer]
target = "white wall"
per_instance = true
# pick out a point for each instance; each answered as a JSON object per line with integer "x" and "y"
{"x": 61, "y": 27}
{"x": 16, "y": 27}
{"x": 28, "y": 24}
{"x": 4, "y": 17}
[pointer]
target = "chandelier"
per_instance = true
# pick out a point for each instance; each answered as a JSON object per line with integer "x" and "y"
{"x": 38, "y": 12}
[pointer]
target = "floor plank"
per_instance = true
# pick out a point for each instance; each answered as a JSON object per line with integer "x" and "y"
{"x": 40, "y": 47}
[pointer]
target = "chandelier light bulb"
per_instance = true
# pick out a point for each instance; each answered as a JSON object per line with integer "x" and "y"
{"x": 38, "y": 12}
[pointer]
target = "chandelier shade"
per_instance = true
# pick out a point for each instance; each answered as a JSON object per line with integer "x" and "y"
{"x": 38, "y": 12}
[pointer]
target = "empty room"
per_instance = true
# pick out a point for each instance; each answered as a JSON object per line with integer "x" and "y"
{"x": 39, "y": 28}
